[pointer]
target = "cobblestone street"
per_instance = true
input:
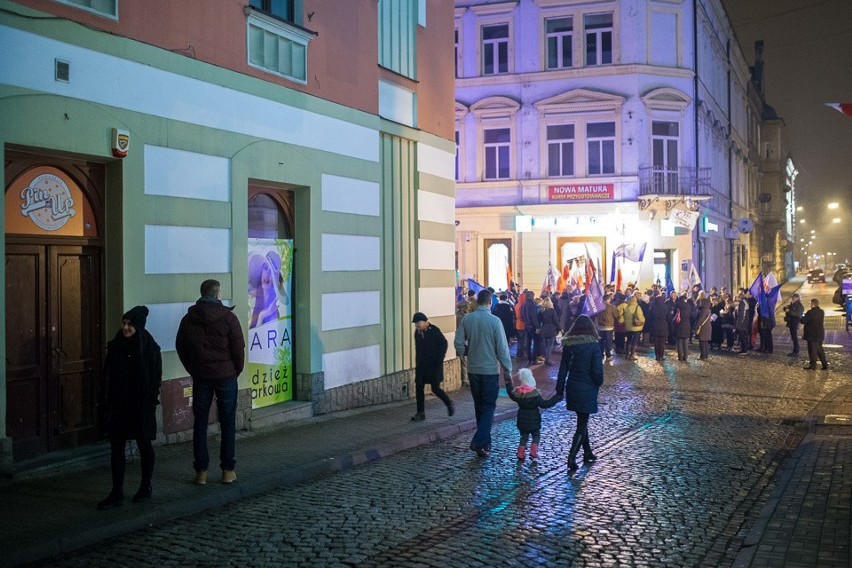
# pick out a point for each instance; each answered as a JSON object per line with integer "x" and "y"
{"x": 687, "y": 454}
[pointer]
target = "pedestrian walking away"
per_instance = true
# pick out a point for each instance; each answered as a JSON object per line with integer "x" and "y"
{"x": 814, "y": 334}
{"x": 529, "y": 401}
{"x": 211, "y": 347}
{"x": 682, "y": 324}
{"x": 793, "y": 313}
{"x": 659, "y": 317}
{"x": 549, "y": 322}
{"x": 704, "y": 327}
{"x": 430, "y": 350}
{"x": 134, "y": 373}
{"x": 579, "y": 380}
{"x": 481, "y": 333}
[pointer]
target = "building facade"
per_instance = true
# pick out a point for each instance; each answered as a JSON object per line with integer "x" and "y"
{"x": 300, "y": 152}
{"x": 583, "y": 126}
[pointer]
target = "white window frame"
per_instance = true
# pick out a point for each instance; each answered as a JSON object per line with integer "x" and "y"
{"x": 285, "y": 32}
{"x": 493, "y": 113}
{"x": 496, "y": 146}
{"x": 600, "y": 152}
{"x": 547, "y": 143}
{"x": 461, "y": 112}
{"x": 510, "y": 67}
{"x": 109, "y": 15}
{"x": 598, "y": 34}
{"x": 560, "y": 40}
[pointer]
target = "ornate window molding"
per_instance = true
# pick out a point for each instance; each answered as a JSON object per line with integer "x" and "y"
{"x": 666, "y": 98}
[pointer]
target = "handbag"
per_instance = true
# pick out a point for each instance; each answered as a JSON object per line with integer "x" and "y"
{"x": 636, "y": 322}
{"x": 677, "y": 316}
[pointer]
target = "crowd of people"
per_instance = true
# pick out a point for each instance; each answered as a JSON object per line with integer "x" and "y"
{"x": 715, "y": 319}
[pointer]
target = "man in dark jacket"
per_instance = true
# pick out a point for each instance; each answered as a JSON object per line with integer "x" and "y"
{"x": 793, "y": 317}
{"x": 814, "y": 334}
{"x": 430, "y": 350}
{"x": 504, "y": 311}
{"x": 211, "y": 347}
{"x": 529, "y": 315}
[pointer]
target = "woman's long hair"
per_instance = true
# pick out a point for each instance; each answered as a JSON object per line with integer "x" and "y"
{"x": 584, "y": 325}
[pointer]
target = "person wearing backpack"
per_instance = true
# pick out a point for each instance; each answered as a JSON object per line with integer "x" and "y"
{"x": 634, "y": 320}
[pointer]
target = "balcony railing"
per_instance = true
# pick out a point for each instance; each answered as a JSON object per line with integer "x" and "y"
{"x": 658, "y": 180}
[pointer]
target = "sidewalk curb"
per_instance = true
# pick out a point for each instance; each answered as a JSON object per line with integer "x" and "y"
{"x": 244, "y": 487}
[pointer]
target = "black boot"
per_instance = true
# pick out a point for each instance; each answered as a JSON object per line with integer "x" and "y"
{"x": 114, "y": 499}
{"x": 575, "y": 447}
{"x": 144, "y": 493}
{"x": 588, "y": 456}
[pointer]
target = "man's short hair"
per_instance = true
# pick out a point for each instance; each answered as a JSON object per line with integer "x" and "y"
{"x": 483, "y": 298}
{"x": 815, "y": 302}
{"x": 210, "y": 288}
{"x": 470, "y": 293}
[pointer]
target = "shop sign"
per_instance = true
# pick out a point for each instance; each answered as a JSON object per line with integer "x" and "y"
{"x": 270, "y": 353}
{"x": 581, "y": 192}
{"x": 684, "y": 218}
{"x": 708, "y": 227}
{"x": 44, "y": 200}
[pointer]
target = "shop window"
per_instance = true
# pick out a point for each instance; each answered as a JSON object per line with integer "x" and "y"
{"x": 600, "y": 138}
{"x": 497, "y": 153}
{"x": 267, "y": 219}
{"x": 598, "y": 28}
{"x": 559, "y": 35}
{"x": 495, "y": 49}
{"x": 560, "y": 150}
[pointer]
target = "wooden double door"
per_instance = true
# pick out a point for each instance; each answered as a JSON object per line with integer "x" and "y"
{"x": 54, "y": 344}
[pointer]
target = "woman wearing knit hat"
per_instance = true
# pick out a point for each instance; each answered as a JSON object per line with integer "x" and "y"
{"x": 134, "y": 371}
{"x": 529, "y": 400}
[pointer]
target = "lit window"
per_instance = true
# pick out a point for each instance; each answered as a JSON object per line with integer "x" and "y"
{"x": 495, "y": 49}
{"x": 600, "y": 138}
{"x": 560, "y": 150}
{"x": 598, "y": 38}
{"x": 559, "y": 35}
{"x": 497, "y": 153}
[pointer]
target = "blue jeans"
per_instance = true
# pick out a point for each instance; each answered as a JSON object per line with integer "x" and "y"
{"x": 606, "y": 342}
{"x": 226, "y": 405}
{"x": 484, "y": 389}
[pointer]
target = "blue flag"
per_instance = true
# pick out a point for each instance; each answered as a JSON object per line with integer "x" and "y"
{"x": 474, "y": 285}
{"x": 669, "y": 286}
{"x": 766, "y": 299}
{"x": 594, "y": 303}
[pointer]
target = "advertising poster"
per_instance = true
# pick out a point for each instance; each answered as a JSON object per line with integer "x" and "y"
{"x": 270, "y": 328}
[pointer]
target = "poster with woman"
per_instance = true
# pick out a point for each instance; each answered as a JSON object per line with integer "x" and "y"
{"x": 270, "y": 356}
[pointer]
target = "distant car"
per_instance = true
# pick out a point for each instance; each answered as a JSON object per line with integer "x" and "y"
{"x": 816, "y": 275}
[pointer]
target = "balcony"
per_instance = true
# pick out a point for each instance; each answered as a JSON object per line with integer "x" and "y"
{"x": 675, "y": 182}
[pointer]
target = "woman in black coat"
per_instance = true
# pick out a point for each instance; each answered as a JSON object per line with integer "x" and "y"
{"x": 430, "y": 349}
{"x": 580, "y": 378}
{"x": 657, "y": 325}
{"x": 134, "y": 372}
{"x": 683, "y": 326}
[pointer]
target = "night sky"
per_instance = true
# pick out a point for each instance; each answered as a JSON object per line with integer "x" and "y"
{"x": 808, "y": 62}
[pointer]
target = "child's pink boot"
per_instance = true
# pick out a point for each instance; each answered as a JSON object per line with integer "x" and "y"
{"x": 534, "y": 451}
{"x": 522, "y": 450}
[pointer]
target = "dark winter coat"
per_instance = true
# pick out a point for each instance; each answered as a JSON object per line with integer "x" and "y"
{"x": 210, "y": 341}
{"x": 431, "y": 349}
{"x": 814, "y": 321}
{"x": 795, "y": 311}
{"x": 743, "y": 316}
{"x": 507, "y": 317}
{"x": 683, "y": 329}
{"x": 549, "y": 322}
{"x": 703, "y": 326}
{"x": 529, "y": 416}
{"x": 529, "y": 314}
{"x": 134, "y": 372}
{"x": 659, "y": 317}
{"x": 580, "y": 373}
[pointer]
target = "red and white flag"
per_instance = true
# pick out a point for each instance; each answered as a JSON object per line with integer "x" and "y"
{"x": 845, "y": 108}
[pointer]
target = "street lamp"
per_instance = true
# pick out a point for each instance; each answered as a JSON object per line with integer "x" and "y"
{"x": 833, "y": 205}
{"x": 836, "y": 220}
